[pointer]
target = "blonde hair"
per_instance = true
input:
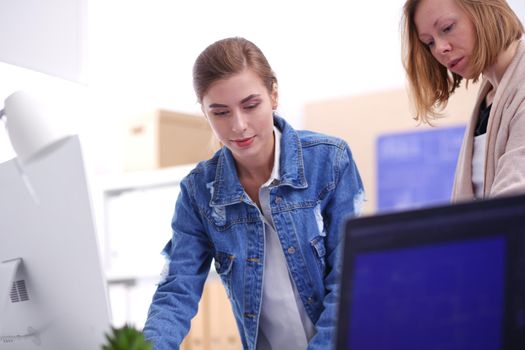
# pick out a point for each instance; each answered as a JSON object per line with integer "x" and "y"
{"x": 430, "y": 83}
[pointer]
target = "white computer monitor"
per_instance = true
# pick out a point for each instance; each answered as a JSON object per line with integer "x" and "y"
{"x": 53, "y": 294}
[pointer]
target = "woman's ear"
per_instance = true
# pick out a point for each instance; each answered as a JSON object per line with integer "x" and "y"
{"x": 274, "y": 96}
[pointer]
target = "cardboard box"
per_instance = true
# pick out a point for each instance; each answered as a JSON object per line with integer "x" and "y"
{"x": 166, "y": 138}
{"x": 223, "y": 332}
{"x": 198, "y": 337}
{"x": 214, "y": 327}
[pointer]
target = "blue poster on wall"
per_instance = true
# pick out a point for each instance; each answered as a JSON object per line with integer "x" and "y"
{"x": 416, "y": 169}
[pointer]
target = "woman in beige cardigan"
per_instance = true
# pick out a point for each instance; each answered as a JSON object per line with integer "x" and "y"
{"x": 446, "y": 41}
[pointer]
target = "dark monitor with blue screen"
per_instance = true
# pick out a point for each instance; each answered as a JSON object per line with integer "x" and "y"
{"x": 449, "y": 277}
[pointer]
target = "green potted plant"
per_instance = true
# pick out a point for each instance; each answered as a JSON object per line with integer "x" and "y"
{"x": 126, "y": 338}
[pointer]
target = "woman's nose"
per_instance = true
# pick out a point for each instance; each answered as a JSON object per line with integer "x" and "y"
{"x": 442, "y": 46}
{"x": 239, "y": 122}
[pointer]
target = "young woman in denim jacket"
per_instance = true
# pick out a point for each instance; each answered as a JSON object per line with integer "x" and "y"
{"x": 268, "y": 209}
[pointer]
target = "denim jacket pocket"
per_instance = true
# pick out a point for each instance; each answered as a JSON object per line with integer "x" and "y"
{"x": 320, "y": 251}
{"x": 224, "y": 266}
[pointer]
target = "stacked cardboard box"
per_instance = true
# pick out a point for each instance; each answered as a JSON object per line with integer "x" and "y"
{"x": 166, "y": 138}
{"x": 214, "y": 326}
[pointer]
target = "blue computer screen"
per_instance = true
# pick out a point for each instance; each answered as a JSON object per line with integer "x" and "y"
{"x": 443, "y": 296}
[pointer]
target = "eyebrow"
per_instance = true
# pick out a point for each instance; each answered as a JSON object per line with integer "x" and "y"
{"x": 249, "y": 97}
{"x": 218, "y": 105}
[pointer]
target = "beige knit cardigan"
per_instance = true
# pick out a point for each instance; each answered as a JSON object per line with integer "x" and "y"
{"x": 505, "y": 148}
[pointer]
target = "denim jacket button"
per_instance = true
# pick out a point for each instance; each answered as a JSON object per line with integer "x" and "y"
{"x": 291, "y": 250}
{"x": 278, "y": 200}
{"x": 310, "y": 300}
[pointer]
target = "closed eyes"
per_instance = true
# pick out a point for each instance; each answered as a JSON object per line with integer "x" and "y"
{"x": 248, "y": 107}
{"x": 220, "y": 113}
{"x": 448, "y": 28}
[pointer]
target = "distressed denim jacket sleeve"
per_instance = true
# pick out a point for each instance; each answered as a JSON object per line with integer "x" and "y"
{"x": 188, "y": 258}
{"x": 346, "y": 198}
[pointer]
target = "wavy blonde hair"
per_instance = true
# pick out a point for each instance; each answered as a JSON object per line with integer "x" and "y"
{"x": 430, "y": 83}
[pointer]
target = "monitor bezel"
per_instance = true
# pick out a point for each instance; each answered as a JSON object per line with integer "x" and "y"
{"x": 491, "y": 217}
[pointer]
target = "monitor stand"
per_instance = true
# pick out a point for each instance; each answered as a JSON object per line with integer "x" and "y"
{"x": 8, "y": 271}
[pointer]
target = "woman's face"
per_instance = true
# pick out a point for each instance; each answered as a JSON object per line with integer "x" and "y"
{"x": 449, "y": 34}
{"x": 240, "y": 112}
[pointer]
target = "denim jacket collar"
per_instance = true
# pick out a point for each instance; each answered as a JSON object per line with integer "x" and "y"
{"x": 227, "y": 189}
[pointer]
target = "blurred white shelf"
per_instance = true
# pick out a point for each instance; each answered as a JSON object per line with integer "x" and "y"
{"x": 145, "y": 179}
{"x": 133, "y": 213}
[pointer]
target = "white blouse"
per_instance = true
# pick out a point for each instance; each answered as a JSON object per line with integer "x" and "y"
{"x": 283, "y": 323}
{"x": 478, "y": 164}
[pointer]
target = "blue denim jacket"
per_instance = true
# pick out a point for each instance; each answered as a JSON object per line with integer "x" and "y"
{"x": 215, "y": 219}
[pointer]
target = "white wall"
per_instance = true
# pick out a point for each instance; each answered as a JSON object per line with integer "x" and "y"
{"x": 519, "y": 7}
{"x": 48, "y": 36}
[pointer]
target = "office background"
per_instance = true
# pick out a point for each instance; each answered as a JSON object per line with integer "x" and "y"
{"x": 334, "y": 62}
